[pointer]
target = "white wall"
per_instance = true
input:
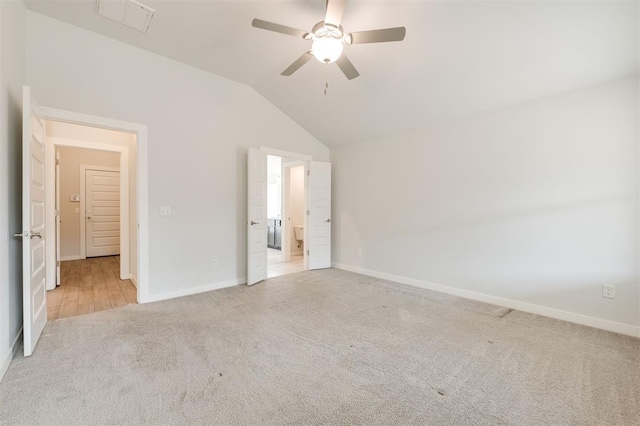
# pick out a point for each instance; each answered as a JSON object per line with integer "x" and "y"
{"x": 537, "y": 203}
{"x": 71, "y": 159}
{"x": 12, "y": 63}
{"x": 200, "y": 126}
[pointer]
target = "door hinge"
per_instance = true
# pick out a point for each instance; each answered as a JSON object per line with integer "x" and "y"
{"x": 308, "y": 172}
{"x": 58, "y": 263}
{"x": 307, "y": 252}
{"x": 307, "y": 212}
{"x": 57, "y": 162}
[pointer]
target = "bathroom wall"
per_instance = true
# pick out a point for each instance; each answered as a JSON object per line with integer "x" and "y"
{"x": 296, "y": 204}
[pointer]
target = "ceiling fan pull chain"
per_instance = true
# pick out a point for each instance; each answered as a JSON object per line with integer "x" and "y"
{"x": 326, "y": 79}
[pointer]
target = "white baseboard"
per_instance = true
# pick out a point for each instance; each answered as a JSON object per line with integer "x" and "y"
{"x": 195, "y": 290}
{"x": 6, "y": 362}
{"x": 67, "y": 258}
{"x": 616, "y": 327}
{"x": 132, "y": 278}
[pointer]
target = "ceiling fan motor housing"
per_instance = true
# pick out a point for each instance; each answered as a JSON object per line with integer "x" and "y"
{"x": 327, "y": 42}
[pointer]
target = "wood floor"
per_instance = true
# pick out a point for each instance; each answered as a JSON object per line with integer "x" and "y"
{"x": 88, "y": 286}
{"x": 276, "y": 267}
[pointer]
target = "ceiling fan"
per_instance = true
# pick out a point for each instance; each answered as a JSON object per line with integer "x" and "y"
{"x": 328, "y": 39}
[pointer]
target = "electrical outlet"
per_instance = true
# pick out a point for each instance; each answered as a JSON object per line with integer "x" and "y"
{"x": 214, "y": 263}
{"x": 609, "y": 291}
{"x": 165, "y": 210}
{"x": 359, "y": 252}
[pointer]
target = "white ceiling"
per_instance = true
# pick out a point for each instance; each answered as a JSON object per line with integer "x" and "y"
{"x": 458, "y": 58}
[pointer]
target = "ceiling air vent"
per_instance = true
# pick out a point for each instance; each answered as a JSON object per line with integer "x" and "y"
{"x": 127, "y": 12}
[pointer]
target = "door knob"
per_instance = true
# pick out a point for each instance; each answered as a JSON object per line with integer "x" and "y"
{"x": 328, "y": 220}
{"x": 26, "y": 234}
{"x": 255, "y": 223}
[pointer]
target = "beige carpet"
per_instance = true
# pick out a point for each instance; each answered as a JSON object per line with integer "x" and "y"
{"x": 325, "y": 347}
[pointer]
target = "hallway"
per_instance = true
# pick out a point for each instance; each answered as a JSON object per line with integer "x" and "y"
{"x": 89, "y": 285}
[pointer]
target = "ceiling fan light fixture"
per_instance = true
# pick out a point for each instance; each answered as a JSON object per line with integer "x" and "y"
{"x": 327, "y": 49}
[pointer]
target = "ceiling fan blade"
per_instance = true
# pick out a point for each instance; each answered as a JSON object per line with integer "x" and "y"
{"x": 283, "y": 29}
{"x": 335, "y": 10}
{"x": 297, "y": 64}
{"x": 347, "y": 67}
{"x": 378, "y": 36}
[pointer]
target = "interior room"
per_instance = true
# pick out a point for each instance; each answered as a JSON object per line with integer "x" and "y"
{"x": 320, "y": 212}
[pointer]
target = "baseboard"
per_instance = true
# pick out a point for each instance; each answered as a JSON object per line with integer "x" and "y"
{"x": 67, "y": 258}
{"x": 6, "y": 362}
{"x": 132, "y": 278}
{"x": 296, "y": 252}
{"x": 195, "y": 290}
{"x": 616, "y": 327}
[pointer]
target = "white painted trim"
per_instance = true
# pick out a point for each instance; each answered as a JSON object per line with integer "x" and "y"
{"x": 616, "y": 327}
{"x": 141, "y": 132}
{"x": 13, "y": 349}
{"x": 133, "y": 280}
{"x": 196, "y": 290}
{"x": 124, "y": 241}
{"x": 287, "y": 154}
{"x": 68, "y": 258}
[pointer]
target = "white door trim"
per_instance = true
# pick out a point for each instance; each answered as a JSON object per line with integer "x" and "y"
{"x": 140, "y": 130}
{"x": 287, "y": 230}
{"x": 124, "y": 195}
{"x": 287, "y": 154}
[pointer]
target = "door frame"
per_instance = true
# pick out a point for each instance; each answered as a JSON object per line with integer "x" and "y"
{"x": 142, "y": 170}
{"x": 286, "y": 201}
{"x": 52, "y": 144}
{"x": 124, "y": 191}
{"x": 304, "y": 160}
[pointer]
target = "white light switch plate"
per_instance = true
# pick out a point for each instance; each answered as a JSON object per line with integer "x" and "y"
{"x": 74, "y": 198}
{"x": 165, "y": 210}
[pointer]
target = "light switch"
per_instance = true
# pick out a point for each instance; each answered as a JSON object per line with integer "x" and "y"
{"x": 165, "y": 210}
{"x": 74, "y": 198}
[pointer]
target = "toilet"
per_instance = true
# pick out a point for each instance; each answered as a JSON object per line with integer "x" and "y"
{"x": 298, "y": 232}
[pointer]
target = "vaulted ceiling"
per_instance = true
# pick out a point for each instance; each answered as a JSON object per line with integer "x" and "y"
{"x": 458, "y": 58}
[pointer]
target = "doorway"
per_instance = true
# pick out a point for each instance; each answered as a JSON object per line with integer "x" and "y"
{"x": 285, "y": 215}
{"x": 315, "y": 243}
{"x": 95, "y": 205}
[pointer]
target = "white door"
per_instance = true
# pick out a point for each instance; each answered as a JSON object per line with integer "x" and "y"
{"x": 102, "y": 208}
{"x": 34, "y": 295}
{"x": 319, "y": 223}
{"x": 256, "y": 216}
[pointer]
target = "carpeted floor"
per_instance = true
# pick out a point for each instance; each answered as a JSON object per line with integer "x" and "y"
{"x": 323, "y": 347}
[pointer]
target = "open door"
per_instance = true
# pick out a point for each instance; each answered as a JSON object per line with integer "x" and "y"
{"x": 319, "y": 247}
{"x": 257, "y": 216}
{"x": 33, "y": 223}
